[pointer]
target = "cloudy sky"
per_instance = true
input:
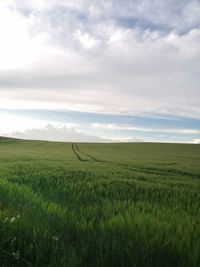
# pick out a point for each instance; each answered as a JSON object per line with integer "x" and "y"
{"x": 100, "y": 70}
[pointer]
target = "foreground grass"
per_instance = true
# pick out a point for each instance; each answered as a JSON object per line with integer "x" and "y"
{"x": 71, "y": 205}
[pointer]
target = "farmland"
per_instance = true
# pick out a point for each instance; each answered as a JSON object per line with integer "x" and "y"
{"x": 78, "y": 204}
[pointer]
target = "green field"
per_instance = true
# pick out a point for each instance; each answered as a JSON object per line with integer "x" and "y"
{"x": 64, "y": 204}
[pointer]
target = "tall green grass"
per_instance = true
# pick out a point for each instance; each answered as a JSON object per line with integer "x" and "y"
{"x": 65, "y": 204}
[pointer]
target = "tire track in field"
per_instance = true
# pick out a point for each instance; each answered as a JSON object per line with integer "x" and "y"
{"x": 75, "y": 152}
{"x": 80, "y": 155}
{"x": 150, "y": 170}
{"x": 88, "y": 156}
{"x": 123, "y": 166}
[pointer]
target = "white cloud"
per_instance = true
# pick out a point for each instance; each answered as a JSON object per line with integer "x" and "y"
{"x": 127, "y": 140}
{"x": 11, "y": 122}
{"x": 56, "y": 133}
{"x": 64, "y": 133}
{"x": 86, "y": 40}
{"x": 137, "y": 58}
{"x": 142, "y": 129}
{"x": 29, "y": 128}
{"x": 196, "y": 141}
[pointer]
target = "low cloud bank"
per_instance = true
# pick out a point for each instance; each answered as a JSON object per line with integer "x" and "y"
{"x": 65, "y": 134}
{"x": 196, "y": 141}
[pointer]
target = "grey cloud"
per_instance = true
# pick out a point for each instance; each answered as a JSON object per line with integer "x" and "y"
{"x": 180, "y": 15}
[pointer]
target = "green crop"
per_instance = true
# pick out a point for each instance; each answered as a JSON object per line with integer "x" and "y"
{"x": 64, "y": 204}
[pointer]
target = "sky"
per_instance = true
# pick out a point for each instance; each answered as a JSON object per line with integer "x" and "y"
{"x": 100, "y": 70}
